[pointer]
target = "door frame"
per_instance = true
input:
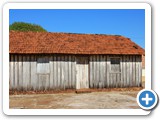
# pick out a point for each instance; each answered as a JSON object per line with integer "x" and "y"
{"x": 76, "y": 60}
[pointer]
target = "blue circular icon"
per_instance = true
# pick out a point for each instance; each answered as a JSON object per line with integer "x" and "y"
{"x": 147, "y": 99}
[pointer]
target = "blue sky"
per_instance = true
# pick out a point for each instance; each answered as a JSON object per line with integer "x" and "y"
{"x": 129, "y": 23}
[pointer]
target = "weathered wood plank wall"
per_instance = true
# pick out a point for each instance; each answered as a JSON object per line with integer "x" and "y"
{"x": 27, "y": 72}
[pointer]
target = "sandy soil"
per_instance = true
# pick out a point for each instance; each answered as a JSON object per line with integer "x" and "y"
{"x": 93, "y": 100}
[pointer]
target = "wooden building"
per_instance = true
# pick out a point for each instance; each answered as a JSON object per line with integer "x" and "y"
{"x": 52, "y": 61}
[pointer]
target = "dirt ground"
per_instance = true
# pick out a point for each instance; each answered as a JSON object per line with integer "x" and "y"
{"x": 93, "y": 100}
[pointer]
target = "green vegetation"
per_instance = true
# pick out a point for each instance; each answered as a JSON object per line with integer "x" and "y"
{"x": 22, "y": 26}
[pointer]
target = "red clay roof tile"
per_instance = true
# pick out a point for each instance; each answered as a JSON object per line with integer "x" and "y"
{"x": 68, "y": 43}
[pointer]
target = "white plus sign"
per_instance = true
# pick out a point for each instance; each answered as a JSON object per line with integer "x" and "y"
{"x": 147, "y": 99}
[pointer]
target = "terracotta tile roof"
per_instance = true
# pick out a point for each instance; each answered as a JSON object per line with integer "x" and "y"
{"x": 70, "y": 43}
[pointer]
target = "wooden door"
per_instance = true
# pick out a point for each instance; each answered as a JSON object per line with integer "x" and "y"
{"x": 115, "y": 72}
{"x": 82, "y": 80}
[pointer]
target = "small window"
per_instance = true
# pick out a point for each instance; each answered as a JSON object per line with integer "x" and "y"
{"x": 115, "y": 60}
{"x": 115, "y": 65}
{"x": 43, "y": 65}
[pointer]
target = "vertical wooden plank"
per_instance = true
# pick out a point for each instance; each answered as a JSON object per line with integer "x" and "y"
{"x": 66, "y": 71}
{"x": 127, "y": 70}
{"x": 93, "y": 71}
{"x": 26, "y": 72}
{"x": 69, "y": 71}
{"x": 122, "y": 72}
{"x": 16, "y": 72}
{"x": 105, "y": 71}
{"x": 90, "y": 72}
{"x": 140, "y": 71}
{"x": 108, "y": 70}
{"x": 55, "y": 75}
{"x": 121, "y": 67}
{"x": 63, "y": 72}
{"x": 34, "y": 81}
{"x": 41, "y": 81}
{"x": 77, "y": 74}
{"x": 51, "y": 60}
{"x": 133, "y": 72}
{"x": 97, "y": 71}
{"x": 73, "y": 73}
{"x": 60, "y": 65}
{"x": 47, "y": 85}
{"x": 87, "y": 72}
{"x": 9, "y": 72}
{"x": 20, "y": 74}
{"x": 12, "y": 72}
{"x": 100, "y": 67}
{"x": 101, "y": 70}
{"x": 137, "y": 71}
{"x": 58, "y": 72}
{"x": 130, "y": 71}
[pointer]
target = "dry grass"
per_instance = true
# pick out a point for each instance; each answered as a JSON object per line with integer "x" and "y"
{"x": 73, "y": 91}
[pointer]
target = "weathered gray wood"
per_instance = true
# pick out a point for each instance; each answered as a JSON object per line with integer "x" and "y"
{"x": 51, "y": 72}
{"x": 69, "y": 71}
{"x": 66, "y": 72}
{"x": 26, "y": 72}
{"x": 133, "y": 72}
{"x": 16, "y": 73}
{"x": 55, "y": 73}
{"x": 43, "y": 65}
{"x": 58, "y": 72}
{"x": 90, "y": 71}
{"x": 94, "y": 71}
{"x": 127, "y": 71}
{"x": 62, "y": 73}
{"x": 103, "y": 66}
{"x": 137, "y": 71}
{"x": 105, "y": 71}
{"x": 12, "y": 72}
{"x": 73, "y": 73}
{"x": 140, "y": 71}
{"x": 108, "y": 69}
{"x": 43, "y": 81}
{"x": 20, "y": 74}
{"x": 82, "y": 72}
{"x": 34, "y": 80}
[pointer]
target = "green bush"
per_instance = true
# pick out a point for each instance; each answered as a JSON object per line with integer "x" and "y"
{"x": 21, "y": 26}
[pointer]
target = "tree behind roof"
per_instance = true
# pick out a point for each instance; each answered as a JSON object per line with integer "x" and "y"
{"x": 22, "y": 26}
